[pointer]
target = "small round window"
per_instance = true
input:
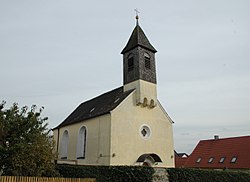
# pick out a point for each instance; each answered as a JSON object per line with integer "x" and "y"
{"x": 145, "y": 131}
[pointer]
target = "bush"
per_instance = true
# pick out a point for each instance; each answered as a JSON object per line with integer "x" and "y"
{"x": 107, "y": 173}
{"x": 26, "y": 146}
{"x": 196, "y": 175}
{"x": 145, "y": 174}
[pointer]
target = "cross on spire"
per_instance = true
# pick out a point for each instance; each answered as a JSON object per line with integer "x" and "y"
{"x": 137, "y": 16}
{"x": 136, "y": 11}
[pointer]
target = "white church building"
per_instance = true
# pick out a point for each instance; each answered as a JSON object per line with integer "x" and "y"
{"x": 124, "y": 126}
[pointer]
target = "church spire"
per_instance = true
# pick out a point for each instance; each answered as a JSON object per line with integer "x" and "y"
{"x": 138, "y": 38}
{"x": 139, "y": 69}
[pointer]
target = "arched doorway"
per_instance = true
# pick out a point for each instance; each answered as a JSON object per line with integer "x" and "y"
{"x": 149, "y": 159}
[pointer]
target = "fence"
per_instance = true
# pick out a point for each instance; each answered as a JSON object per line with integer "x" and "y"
{"x": 43, "y": 179}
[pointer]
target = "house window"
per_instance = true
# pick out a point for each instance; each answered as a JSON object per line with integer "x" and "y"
{"x": 81, "y": 143}
{"x": 233, "y": 160}
{"x": 210, "y": 160}
{"x": 198, "y": 160}
{"x": 147, "y": 61}
{"x": 130, "y": 62}
{"x": 64, "y": 145}
{"x": 222, "y": 159}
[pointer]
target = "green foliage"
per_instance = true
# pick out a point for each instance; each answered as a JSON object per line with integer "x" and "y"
{"x": 196, "y": 175}
{"x": 25, "y": 143}
{"x": 108, "y": 173}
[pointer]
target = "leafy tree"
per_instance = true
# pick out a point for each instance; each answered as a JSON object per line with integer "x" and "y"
{"x": 26, "y": 146}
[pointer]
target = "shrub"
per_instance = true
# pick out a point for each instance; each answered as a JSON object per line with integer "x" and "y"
{"x": 196, "y": 175}
{"x": 107, "y": 173}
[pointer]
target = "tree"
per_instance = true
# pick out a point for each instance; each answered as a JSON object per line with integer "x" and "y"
{"x": 26, "y": 146}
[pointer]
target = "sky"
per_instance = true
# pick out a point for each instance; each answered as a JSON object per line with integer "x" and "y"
{"x": 60, "y": 53}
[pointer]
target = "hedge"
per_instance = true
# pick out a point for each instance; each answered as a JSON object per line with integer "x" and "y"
{"x": 145, "y": 174}
{"x": 196, "y": 175}
{"x": 107, "y": 173}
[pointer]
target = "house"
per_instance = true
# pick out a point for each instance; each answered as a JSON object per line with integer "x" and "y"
{"x": 124, "y": 126}
{"x": 224, "y": 153}
{"x": 180, "y": 159}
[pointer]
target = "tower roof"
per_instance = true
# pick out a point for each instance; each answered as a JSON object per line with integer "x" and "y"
{"x": 138, "y": 38}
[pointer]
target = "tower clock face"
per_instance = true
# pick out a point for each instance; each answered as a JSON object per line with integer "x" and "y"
{"x": 145, "y": 131}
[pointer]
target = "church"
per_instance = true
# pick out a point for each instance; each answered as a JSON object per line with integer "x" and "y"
{"x": 124, "y": 126}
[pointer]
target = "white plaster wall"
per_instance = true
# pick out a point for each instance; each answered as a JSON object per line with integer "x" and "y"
{"x": 126, "y": 142}
{"x": 97, "y": 141}
{"x": 143, "y": 90}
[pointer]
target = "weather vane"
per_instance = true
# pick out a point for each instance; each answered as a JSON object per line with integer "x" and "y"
{"x": 137, "y": 16}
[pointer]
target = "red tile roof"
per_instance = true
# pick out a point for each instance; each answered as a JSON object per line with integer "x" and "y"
{"x": 229, "y": 148}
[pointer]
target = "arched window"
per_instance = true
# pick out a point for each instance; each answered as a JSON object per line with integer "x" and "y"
{"x": 81, "y": 143}
{"x": 147, "y": 61}
{"x": 130, "y": 62}
{"x": 64, "y": 145}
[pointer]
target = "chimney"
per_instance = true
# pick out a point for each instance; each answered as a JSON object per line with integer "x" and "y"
{"x": 216, "y": 137}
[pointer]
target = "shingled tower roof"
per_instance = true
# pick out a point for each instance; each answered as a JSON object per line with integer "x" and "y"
{"x": 138, "y": 38}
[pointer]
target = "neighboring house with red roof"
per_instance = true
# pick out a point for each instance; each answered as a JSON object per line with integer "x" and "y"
{"x": 225, "y": 153}
{"x": 180, "y": 159}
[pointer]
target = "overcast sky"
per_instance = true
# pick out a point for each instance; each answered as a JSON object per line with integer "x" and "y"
{"x": 60, "y": 53}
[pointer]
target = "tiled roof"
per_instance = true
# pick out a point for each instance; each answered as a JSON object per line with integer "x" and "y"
{"x": 97, "y": 106}
{"x": 138, "y": 38}
{"x": 180, "y": 159}
{"x": 209, "y": 153}
{"x": 182, "y": 155}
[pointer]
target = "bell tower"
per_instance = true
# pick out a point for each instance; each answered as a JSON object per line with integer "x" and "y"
{"x": 139, "y": 70}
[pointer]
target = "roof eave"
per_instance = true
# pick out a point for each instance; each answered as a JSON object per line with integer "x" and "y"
{"x": 129, "y": 49}
{"x": 60, "y": 126}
